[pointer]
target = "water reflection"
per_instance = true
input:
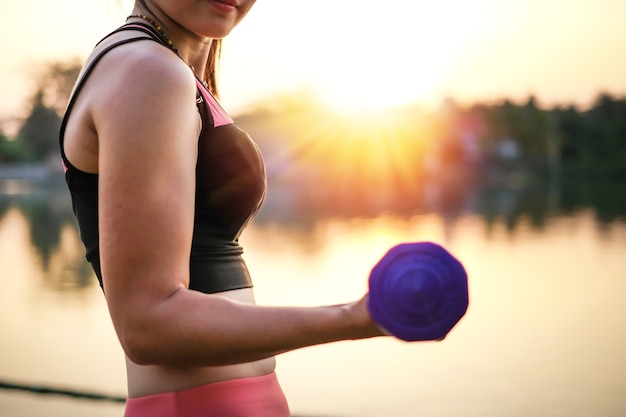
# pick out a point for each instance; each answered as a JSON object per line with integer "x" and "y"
{"x": 510, "y": 201}
{"x": 46, "y": 209}
{"x": 542, "y": 335}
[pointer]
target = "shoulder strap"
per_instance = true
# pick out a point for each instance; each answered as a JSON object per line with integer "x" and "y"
{"x": 141, "y": 27}
{"x": 146, "y": 29}
{"x": 153, "y": 35}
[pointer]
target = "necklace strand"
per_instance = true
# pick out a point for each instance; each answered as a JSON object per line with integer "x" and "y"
{"x": 166, "y": 38}
{"x": 159, "y": 29}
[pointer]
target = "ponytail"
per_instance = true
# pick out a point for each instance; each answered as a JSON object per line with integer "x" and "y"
{"x": 212, "y": 64}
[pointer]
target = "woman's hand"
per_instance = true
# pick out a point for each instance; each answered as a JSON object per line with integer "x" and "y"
{"x": 363, "y": 320}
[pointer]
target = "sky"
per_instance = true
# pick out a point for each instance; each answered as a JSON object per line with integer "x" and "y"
{"x": 359, "y": 54}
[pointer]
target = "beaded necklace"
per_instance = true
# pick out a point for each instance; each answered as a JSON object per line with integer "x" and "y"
{"x": 167, "y": 40}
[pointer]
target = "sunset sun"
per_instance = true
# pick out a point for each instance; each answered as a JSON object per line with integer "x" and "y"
{"x": 357, "y": 90}
{"x": 381, "y": 62}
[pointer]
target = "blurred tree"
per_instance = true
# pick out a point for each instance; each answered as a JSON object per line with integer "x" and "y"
{"x": 606, "y": 129}
{"x": 10, "y": 151}
{"x": 55, "y": 82}
{"x": 572, "y": 130}
{"x": 40, "y": 131}
{"x": 38, "y": 136}
{"x": 532, "y": 130}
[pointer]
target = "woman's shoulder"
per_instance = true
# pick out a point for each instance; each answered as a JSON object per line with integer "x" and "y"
{"x": 139, "y": 81}
{"x": 120, "y": 58}
{"x": 132, "y": 55}
{"x": 139, "y": 68}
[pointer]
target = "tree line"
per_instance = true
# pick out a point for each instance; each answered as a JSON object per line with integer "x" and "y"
{"x": 589, "y": 141}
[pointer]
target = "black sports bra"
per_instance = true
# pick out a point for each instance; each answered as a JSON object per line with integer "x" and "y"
{"x": 230, "y": 187}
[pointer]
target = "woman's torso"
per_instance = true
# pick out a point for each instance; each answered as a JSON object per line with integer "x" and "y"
{"x": 217, "y": 201}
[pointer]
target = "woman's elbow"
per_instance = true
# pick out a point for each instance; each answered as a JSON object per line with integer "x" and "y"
{"x": 144, "y": 329}
{"x": 137, "y": 349}
{"x": 141, "y": 340}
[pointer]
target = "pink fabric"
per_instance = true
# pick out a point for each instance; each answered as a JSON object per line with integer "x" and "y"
{"x": 247, "y": 397}
{"x": 220, "y": 118}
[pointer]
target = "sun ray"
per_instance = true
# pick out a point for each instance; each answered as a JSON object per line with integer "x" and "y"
{"x": 370, "y": 161}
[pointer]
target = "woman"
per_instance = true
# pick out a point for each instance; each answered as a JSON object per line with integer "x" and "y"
{"x": 162, "y": 184}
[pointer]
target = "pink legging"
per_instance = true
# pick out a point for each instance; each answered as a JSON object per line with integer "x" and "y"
{"x": 247, "y": 397}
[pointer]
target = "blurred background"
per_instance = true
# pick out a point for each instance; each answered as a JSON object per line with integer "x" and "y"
{"x": 495, "y": 128}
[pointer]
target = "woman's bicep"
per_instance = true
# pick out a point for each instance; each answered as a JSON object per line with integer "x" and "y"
{"x": 147, "y": 159}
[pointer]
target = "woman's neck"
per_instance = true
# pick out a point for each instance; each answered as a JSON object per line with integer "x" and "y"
{"x": 193, "y": 49}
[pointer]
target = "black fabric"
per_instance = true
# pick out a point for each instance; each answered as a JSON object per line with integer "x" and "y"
{"x": 230, "y": 187}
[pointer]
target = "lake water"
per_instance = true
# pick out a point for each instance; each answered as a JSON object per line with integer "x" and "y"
{"x": 545, "y": 334}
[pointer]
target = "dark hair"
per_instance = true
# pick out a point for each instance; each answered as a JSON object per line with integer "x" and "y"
{"x": 210, "y": 72}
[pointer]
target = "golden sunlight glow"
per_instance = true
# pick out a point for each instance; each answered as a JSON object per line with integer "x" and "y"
{"x": 370, "y": 157}
{"x": 389, "y": 60}
{"x": 359, "y": 91}
{"x": 359, "y": 54}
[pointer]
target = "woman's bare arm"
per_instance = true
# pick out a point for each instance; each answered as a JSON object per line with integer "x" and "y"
{"x": 148, "y": 130}
{"x": 196, "y": 329}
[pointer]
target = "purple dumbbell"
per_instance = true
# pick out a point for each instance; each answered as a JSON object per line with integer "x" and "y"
{"x": 418, "y": 291}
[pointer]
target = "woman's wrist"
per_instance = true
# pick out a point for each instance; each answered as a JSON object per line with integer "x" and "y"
{"x": 361, "y": 321}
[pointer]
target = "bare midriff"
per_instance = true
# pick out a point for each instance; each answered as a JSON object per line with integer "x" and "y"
{"x": 155, "y": 379}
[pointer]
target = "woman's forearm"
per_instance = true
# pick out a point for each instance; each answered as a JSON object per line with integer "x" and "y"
{"x": 195, "y": 329}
